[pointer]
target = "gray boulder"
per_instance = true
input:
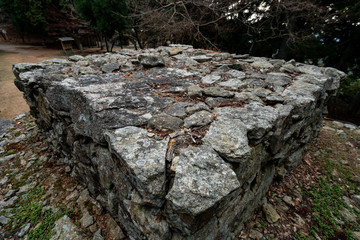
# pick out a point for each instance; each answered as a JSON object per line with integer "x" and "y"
{"x": 151, "y": 61}
{"x": 165, "y": 121}
{"x": 202, "y": 179}
{"x": 229, "y": 139}
{"x": 145, "y": 159}
{"x": 198, "y": 119}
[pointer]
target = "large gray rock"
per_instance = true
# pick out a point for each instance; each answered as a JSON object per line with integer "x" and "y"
{"x": 197, "y": 107}
{"x": 202, "y": 58}
{"x": 198, "y": 119}
{"x": 65, "y": 229}
{"x": 258, "y": 119}
{"x": 151, "y": 61}
{"x": 270, "y": 213}
{"x": 110, "y": 67}
{"x": 144, "y": 158}
{"x": 4, "y": 125}
{"x": 202, "y": 179}
{"x": 165, "y": 121}
{"x": 178, "y": 109}
{"x": 217, "y": 92}
{"x": 194, "y": 91}
{"x": 262, "y": 64}
{"x": 280, "y": 79}
{"x": 229, "y": 139}
{"x": 236, "y": 74}
{"x": 234, "y": 83}
{"x": 212, "y": 78}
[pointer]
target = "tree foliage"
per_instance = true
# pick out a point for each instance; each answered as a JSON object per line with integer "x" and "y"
{"x": 26, "y": 15}
{"x": 106, "y": 16}
{"x": 43, "y": 17}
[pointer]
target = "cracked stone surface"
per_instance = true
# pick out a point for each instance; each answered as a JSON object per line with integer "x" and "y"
{"x": 177, "y": 146}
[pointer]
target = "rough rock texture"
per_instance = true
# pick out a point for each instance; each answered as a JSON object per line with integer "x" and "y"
{"x": 179, "y": 146}
{"x": 66, "y": 229}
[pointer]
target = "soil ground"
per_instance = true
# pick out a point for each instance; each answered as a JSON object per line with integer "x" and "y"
{"x": 11, "y": 100}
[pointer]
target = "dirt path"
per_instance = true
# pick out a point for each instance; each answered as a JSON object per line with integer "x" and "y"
{"x": 11, "y": 100}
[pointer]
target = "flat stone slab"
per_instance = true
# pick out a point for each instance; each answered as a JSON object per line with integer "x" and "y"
{"x": 177, "y": 146}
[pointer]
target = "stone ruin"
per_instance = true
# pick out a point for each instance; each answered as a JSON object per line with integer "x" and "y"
{"x": 176, "y": 142}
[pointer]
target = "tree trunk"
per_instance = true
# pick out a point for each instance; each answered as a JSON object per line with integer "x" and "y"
{"x": 112, "y": 46}
{"x": 138, "y": 39}
{"x": 106, "y": 44}
{"x": 283, "y": 53}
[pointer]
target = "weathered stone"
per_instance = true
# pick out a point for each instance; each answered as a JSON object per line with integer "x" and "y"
{"x": 356, "y": 235}
{"x": 4, "y": 180}
{"x": 144, "y": 157}
{"x": 299, "y": 220}
{"x": 348, "y": 216}
{"x": 212, "y": 78}
{"x": 280, "y": 79}
{"x": 288, "y": 200}
{"x": 110, "y": 67}
{"x": 4, "y": 220}
{"x": 27, "y": 187}
{"x": 294, "y": 160}
{"x": 24, "y": 230}
{"x": 75, "y": 58}
{"x": 196, "y": 108}
{"x": 198, "y": 119}
{"x": 11, "y": 201}
{"x": 165, "y": 121}
{"x": 271, "y": 215}
{"x": 4, "y": 125}
{"x": 202, "y": 58}
{"x": 114, "y": 229}
{"x": 202, "y": 179}
{"x": 241, "y": 56}
{"x": 234, "y": 83}
{"x": 86, "y": 220}
{"x": 262, "y": 64}
{"x": 175, "y": 50}
{"x": 210, "y": 102}
{"x": 273, "y": 99}
{"x": 247, "y": 97}
{"x": 350, "y": 126}
{"x": 178, "y": 109}
{"x": 10, "y": 194}
{"x": 229, "y": 139}
{"x": 151, "y": 61}
{"x": 257, "y": 118}
{"x": 194, "y": 91}
{"x": 236, "y": 74}
{"x": 261, "y": 92}
{"x": 289, "y": 68}
{"x": 255, "y": 235}
{"x": 356, "y": 198}
{"x": 98, "y": 236}
{"x": 7, "y": 158}
{"x": 217, "y": 92}
{"x": 65, "y": 229}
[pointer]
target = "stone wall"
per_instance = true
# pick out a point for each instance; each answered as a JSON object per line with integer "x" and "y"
{"x": 176, "y": 142}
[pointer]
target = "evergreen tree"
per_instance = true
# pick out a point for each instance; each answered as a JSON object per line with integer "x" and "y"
{"x": 26, "y": 15}
{"x": 106, "y": 16}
